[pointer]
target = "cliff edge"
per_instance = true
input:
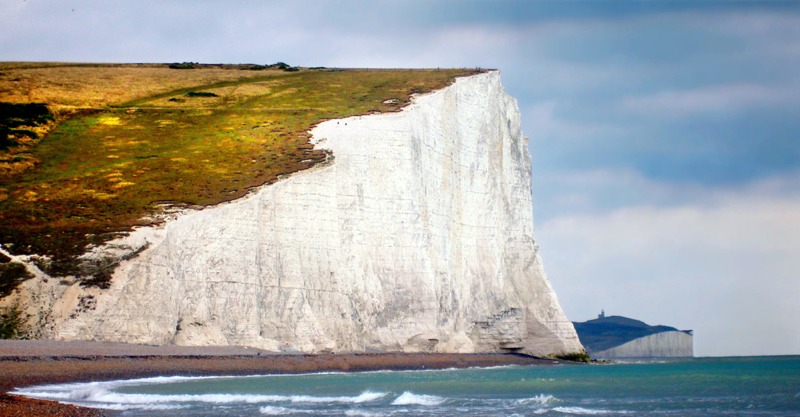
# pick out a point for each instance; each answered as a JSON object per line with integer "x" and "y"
{"x": 416, "y": 236}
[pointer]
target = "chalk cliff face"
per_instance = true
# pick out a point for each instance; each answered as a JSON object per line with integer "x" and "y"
{"x": 418, "y": 236}
{"x": 659, "y": 345}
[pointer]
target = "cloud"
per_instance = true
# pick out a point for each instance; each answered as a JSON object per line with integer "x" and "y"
{"x": 725, "y": 266}
{"x": 12, "y": 8}
{"x": 718, "y": 98}
{"x": 546, "y": 122}
{"x": 602, "y": 190}
{"x": 755, "y": 26}
{"x": 451, "y": 46}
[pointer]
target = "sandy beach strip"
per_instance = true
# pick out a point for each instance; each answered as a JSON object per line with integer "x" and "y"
{"x": 34, "y": 362}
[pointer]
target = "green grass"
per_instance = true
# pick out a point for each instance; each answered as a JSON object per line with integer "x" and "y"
{"x": 106, "y": 170}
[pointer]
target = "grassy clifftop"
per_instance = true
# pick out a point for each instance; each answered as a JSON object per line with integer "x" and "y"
{"x": 123, "y": 140}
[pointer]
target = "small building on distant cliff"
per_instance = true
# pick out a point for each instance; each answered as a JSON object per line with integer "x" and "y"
{"x": 617, "y": 337}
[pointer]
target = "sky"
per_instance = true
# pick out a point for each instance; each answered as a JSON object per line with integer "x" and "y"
{"x": 665, "y": 136}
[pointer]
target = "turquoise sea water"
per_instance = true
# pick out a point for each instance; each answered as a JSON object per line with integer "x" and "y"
{"x": 752, "y": 386}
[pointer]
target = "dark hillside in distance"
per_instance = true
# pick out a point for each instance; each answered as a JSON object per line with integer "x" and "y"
{"x": 604, "y": 333}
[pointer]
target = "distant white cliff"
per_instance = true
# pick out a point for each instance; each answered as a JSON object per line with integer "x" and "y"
{"x": 617, "y": 337}
{"x": 417, "y": 237}
{"x": 672, "y": 344}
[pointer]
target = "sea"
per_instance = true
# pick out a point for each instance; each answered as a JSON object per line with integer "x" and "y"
{"x": 742, "y": 386}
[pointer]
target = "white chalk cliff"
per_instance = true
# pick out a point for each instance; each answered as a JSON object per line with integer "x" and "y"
{"x": 671, "y": 344}
{"x": 417, "y": 236}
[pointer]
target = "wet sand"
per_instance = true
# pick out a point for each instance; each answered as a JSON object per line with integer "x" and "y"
{"x": 26, "y": 363}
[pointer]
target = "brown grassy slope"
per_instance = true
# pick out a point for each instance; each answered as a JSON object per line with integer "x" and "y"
{"x": 68, "y": 89}
{"x": 101, "y": 85}
{"x": 139, "y": 139}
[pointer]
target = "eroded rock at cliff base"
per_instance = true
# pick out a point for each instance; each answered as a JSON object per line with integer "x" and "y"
{"x": 417, "y": 236}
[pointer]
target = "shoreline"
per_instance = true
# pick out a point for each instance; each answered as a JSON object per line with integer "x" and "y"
{"x": 28, "y": 363}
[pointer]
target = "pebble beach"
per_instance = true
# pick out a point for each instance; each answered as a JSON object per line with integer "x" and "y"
{"x": 26, "y": 362}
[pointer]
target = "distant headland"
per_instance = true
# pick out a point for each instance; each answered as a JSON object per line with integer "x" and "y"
{"x": 615, "y": 337}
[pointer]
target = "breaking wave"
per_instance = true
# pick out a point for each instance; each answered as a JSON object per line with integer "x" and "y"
{"x": 409, "y": 398}
{"x": 541, "y": 399}
{"x": 362, "y": 413}
{"x": 582, "y": 411}
{"x": 271, "y": 410}
{"x": 99, "y": 395}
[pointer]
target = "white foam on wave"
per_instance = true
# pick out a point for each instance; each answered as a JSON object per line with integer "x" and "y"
{"x": 582, "y": 411}
{"x": 65, "y": 391}
{"x": 146, "y": 407}
{"x": 409, "y": 398}
{"x": 541, "y": 399}
{"x": 87, "y": 392}
{"x": 362, "y": 413}
{"x": 271, "y": 410}
{"x": 109, "y": 385}
{"x": 98, "y": 395}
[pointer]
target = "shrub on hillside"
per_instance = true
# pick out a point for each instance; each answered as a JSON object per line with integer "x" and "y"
{"x": 11, "y": 323}
{"x": 13, "y": 116}
{"x": 28, "y": 114}
{"x": 11, "y": 275}
{"x": 200, "y": 94}
{"x": 184, "y": 65}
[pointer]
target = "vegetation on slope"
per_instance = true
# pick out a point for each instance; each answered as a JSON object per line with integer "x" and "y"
{"x": 131, "y": 139}
{"x": 12, "y": 324}
{"x": 11, "y": 274}
{"x": 19, "y": 121}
